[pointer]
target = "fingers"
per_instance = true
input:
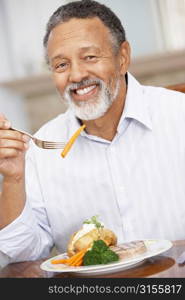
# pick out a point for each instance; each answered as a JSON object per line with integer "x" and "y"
{"x": 9, "y": 153}
{"x": 13, "y": 135}
{"x": 19, "y": 145}
{"x": 11, "y": 142}
{"x": 2, "y": 116}
{"x": 4, "y": 124}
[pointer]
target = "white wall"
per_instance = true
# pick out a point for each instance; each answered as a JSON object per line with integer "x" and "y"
{"x": 24, "y": 22}
{"x": 22, "y": 34}
{"x": 139, "y": 20}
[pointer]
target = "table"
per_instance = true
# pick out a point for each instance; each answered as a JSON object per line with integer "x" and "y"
{"x": 160, "y": 266}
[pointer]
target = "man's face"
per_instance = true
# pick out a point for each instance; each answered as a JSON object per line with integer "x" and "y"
{"x": 86, "y": 71}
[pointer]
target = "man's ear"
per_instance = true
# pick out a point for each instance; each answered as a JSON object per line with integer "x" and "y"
{"x": 124, "y": 57}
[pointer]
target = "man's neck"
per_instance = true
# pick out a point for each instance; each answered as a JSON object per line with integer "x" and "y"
{"x": 106, "y": 126}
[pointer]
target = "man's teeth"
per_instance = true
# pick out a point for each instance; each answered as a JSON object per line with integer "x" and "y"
{"x": 85, "y": 90}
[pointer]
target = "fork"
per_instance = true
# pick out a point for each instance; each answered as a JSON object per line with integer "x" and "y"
{"x": 40, "y": 143}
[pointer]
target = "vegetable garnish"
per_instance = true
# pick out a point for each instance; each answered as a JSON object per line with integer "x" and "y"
{"x": 71, "y": 141}
{"x": 94, "y": 220}
{"x": 75, "y": 260}
{"x": 99, "y": 254}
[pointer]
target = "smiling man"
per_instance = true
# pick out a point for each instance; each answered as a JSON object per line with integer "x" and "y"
{"x": 89, "y": 69}
{"x": 127, "y": 166}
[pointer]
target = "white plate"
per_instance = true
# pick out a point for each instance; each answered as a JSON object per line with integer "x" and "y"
{"x": 154, "y": 247}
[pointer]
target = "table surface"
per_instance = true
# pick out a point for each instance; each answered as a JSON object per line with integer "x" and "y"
{"x": 159, "y": 266}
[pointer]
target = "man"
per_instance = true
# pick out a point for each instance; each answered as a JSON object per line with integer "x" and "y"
{"x": 128, "y": 166}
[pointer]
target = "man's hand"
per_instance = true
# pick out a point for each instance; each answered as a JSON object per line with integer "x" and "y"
{"x": 13, "y": 145}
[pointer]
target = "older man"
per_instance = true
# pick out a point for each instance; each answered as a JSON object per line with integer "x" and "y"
{"x": 128, "y": 166}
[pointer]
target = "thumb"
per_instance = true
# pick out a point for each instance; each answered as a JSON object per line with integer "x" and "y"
{"x": 2, "y": 116}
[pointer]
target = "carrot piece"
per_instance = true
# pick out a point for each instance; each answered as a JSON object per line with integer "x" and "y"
{"x": 71, "y": 141}
{"x": 78, "y": 258}
{"x": 59, "y": 261}
{"x": 79, "y": 263}
{"x": 72, "y": 260}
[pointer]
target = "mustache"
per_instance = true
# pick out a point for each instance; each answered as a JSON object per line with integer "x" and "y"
{"x": 84, "y": 82}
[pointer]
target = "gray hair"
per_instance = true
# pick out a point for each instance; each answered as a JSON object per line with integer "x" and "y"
{"x": 87, "y": 9}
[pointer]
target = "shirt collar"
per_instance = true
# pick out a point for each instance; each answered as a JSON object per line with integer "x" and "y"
{"x": 136, "y": 106}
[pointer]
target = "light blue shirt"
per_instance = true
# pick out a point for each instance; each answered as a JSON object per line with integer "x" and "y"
{"x": 135, "y": 183}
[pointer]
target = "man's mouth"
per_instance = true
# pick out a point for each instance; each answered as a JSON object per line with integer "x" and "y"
{"x": 84, "y": 93}
{"x": 85, "y": 90}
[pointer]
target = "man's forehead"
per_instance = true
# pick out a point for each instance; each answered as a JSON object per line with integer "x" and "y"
{"x": 79, "y": 34}
{"x": 80, "y": 50}
{"x": 75, "y": 28}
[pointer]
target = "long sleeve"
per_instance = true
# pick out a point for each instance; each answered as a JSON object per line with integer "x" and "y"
{"x": 29, "y": 236}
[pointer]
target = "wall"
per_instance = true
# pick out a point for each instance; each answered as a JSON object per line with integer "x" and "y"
{"x": 23, "y": 26}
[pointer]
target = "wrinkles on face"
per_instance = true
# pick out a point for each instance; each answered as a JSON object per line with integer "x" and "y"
{"x": 85, "y": 67}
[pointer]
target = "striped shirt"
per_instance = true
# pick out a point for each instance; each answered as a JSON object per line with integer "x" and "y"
{"x": 135, "y": 183}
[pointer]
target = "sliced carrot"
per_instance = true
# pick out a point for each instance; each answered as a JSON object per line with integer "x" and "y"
{"x": 78, "y": 260}
{"x": 77, "y": 257}
{"x": 72, "y": 260}
{"x": 73, "y": 263}
{"x": 79, "y": 263}
{"x": 59, "y": 261}
{"x": 71, "y": 141}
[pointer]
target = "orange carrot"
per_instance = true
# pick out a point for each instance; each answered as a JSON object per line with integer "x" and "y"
{"x": 79, "y": 263}
{"x": 75, "y": 258}
{"x": 59, "y": 261}
{"x": 71, "y": 141}
{"x": 79, "y": 260}
{"x": 72, "y": 260}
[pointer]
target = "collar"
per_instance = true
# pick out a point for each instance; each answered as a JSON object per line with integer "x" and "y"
{"x": 136, "y": 105}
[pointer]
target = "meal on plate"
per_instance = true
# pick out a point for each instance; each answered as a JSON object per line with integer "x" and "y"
{"x": 94, "y": 244}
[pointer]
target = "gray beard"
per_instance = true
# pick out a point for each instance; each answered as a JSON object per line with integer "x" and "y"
{"x": 95, "y": 107}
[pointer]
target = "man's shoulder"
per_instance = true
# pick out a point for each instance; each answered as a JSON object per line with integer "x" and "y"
{"x": 164, "y": 99}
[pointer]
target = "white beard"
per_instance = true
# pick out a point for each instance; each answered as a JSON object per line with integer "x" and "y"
{"x": 95, "y": 107}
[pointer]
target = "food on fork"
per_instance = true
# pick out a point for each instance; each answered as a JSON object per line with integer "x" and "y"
{"x": 72, "y": 140}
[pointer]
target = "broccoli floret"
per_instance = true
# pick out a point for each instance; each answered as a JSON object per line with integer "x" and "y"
{"x": 91, "y": 258}
{"x": 100, "y": 253}
{"x": 99, "y": 246}
{"x": 109, "y": 256}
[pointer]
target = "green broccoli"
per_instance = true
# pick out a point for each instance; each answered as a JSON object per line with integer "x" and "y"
{"x": 109, "y": 256}
{"x": 99, "y": 246}
{"x": 100, "y": 253}
{"x": 91, "y": 258}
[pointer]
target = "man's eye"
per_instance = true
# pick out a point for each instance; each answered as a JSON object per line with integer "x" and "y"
{"x": 61, "y": 66}
{"x": 91, "y": 57}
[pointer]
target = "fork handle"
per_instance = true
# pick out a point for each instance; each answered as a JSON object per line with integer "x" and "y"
{"x": 21, "y": 131}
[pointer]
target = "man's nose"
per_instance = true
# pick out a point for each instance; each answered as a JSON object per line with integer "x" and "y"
{"x": 77, "y": 72}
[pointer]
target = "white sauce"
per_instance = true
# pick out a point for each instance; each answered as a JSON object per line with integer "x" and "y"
{"x": 85, "y": 229}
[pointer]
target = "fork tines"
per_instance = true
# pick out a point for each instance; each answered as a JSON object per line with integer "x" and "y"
{"x": 53, "y": 145}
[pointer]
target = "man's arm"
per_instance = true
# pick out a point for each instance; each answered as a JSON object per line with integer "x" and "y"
{"x": 12, "y": 166}
{"x": 12, "y": 200}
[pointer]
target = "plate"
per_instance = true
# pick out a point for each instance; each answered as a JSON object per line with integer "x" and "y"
{"x": 154, "y": 247}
